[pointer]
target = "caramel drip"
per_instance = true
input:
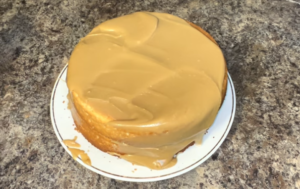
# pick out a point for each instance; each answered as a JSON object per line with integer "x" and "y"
{"x": 69, "y": 101}
{"x": 144, "y": 86}
{"x": 84, "y": 157}
{"x": 72, "y": 145}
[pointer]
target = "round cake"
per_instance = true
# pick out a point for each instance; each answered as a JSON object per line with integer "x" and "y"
{"x": 145, "y": 86}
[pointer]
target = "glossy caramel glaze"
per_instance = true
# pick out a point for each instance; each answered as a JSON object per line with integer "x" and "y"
{"x": 144, "y": 86}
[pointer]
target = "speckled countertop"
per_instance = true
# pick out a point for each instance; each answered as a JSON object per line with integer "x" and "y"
{"x": 261, "y": 43}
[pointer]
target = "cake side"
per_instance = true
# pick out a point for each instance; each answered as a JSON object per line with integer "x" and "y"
{"x": 224, "y": 85}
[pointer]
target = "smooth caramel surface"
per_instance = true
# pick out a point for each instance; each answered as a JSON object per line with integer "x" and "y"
{"x": 148, "y": 83}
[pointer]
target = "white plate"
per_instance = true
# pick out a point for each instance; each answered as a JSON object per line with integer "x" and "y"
{"x": 113, "y": 167}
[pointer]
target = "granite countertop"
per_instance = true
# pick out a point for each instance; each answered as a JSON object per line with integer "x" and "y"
{"x": 261, "y": 43}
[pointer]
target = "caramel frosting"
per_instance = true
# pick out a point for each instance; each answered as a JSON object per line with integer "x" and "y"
{"x": 144, "y": 86}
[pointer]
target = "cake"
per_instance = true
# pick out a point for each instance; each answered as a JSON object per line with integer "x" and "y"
{"x": 145, "y": 86}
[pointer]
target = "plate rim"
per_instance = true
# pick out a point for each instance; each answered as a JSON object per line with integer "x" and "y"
{"x": 152, "y": 178}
